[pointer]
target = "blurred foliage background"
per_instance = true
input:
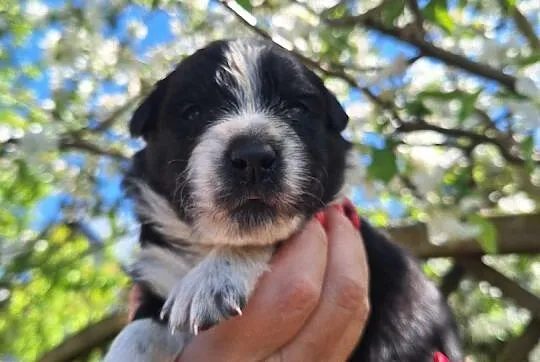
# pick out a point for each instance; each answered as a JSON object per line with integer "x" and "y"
{"x": 444, "y": 99}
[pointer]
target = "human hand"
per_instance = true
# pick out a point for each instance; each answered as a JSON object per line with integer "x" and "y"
{"x": 312, "y": 306}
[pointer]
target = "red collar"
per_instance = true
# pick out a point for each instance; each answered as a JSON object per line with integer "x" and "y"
{"x": 439, "y": 357}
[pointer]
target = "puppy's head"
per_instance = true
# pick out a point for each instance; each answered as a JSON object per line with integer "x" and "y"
{"x": 243, "y": 141}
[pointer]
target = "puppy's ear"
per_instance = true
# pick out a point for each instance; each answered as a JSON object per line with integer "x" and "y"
{"x": 146, "y": 116}
{"x": 337, "y": 117}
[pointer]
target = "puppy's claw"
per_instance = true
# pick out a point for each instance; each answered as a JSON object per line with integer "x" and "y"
{"x": 196, "y": 329}
{"x": 238, "y": 310}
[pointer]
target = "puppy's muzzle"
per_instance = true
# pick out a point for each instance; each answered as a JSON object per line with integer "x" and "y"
{"x": 252, "y": 161}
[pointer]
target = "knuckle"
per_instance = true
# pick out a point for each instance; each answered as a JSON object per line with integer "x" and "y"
{"x": 351, "y": 294}
{"x": 300, "y": 295}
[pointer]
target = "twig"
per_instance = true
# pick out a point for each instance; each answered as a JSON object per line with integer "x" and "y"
{"x": 427, "y": 49}
{"x": 113, "y": 117}
{"x": 475, "y": 138}
{"x": 93, "y": 336}
{"x": 89, "y": 147}
{"x": 522, "y": 24}
{"x": 418, "y": 17}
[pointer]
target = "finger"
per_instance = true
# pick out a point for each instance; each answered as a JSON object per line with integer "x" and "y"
{"x": 351, "y": 337}
{"x": 344, "y": 298}
{"x": 282, "y": 302}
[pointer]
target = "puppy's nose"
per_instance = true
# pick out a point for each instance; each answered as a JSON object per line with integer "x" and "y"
{"x": 252, "y": 160}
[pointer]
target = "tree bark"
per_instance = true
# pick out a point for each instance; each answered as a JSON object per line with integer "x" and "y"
{"x": 83, "y": 342}
{"x": 516, "y": 234}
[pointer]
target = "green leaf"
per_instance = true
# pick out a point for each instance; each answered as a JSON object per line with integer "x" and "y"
{"x": 11, "y": 118}
{"x": 31, "y": 71}
{"x": 246, "y": 4}
{"x": 437, "y": 12}
{"x": 391, "y": 11}
{"x": 440, "y": 95}
{"x": 528, "y": 60}
{"x": 488, "y": 233}
{"x": 383, "y": 165}
{"x": 509, "y": 6}
{"x": 418, "y": 108}
{"x": 468, "y": 101}
{"x": 527, "y": 147}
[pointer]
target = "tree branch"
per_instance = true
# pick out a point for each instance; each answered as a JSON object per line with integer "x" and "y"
{"x": 84, "y": 341}
{"x": 516, "y": 234}
{"x": 411, "y": 36}
{"x": 418, "y": 17}
{"x": 78, "y": 144}
{"x": 113, "y": 117}
{"x": 522, "y": 24}
{"x": 475, "y": 138}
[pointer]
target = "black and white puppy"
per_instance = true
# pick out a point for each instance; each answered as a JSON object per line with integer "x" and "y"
{"x": 243, "y": 146}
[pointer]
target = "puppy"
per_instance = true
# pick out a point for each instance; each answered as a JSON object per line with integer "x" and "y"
{"x": 243, "y": 146}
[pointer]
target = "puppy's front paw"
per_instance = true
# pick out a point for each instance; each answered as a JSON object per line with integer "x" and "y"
{"x": 204, "y": 298}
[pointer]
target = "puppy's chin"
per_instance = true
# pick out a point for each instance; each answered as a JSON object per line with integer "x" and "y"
{"x": 252, "y": 225}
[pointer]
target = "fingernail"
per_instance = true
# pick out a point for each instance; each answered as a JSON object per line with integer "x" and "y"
{"x": 439, "y": 357}
{"x": 321, "y": 217}
{"x": 350, "y": 212}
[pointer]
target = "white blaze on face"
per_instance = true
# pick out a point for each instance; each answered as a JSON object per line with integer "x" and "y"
{"x": 249, "y": 117}
{"x": 242, "y": 63}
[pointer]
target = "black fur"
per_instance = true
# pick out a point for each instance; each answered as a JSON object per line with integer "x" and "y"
{"x": 409, "y": 319}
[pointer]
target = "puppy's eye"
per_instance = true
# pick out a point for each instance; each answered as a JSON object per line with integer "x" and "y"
{"x": 300, "y": 107}
{"x": 190, "y": 113}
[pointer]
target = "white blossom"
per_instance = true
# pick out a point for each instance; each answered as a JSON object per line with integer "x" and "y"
{"x": 444, "y": 226}
{"x": 337, "y": 86}
{"x": 36, "y": 10}
{"x": 32, "y": 146}
{"x": 527, "y": 87}
{"x": 107, "y": 52}
{"x": 293, "y": 22}
{"x": 108, "y": 102}
{"x": 424, "y": 72}
{"x": 50, "y": 40}
{"x": 430, "y": 165}
{"x": 48, "y": 104}
{"x": 397, "y": 67}
{"x": 359, "y": 111}
{"x": 5, "y": 133}
{"x": 525, "y": 113}
{"x": 517, "y": 203}
{"x": 102, "y": 226}
{"x": 320, "y": 5}
{"x": 85, "y": 87}
{"x": 531, "y": 7}
{"x": 423, "y": 138}
{"x": 137, "y": 29}
{"x": 470, "y": 203}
